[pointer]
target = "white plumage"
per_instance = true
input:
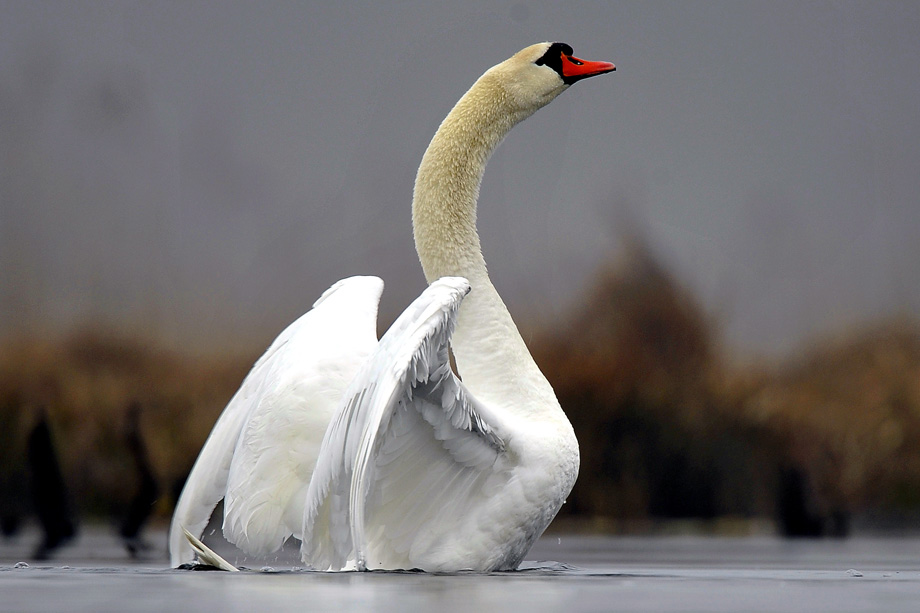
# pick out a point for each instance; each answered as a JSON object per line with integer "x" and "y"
{"x": 375, "y": 454}
{"x": 262, "y": 450}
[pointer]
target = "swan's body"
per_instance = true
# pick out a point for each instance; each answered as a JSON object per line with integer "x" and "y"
{"x": 416, "y": 469}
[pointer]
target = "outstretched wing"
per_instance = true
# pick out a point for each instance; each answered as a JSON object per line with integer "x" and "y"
{"x": 408, "y": 453}
{"x": 261, "y": 453}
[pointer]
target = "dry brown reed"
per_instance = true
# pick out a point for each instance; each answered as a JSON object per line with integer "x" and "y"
{"x": 668, "y": 426}
{"x": 86, "y": 383}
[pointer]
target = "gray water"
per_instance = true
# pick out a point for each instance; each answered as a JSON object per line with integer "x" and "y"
{"x": 569, "y": 574}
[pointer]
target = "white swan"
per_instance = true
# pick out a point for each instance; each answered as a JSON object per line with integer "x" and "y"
{"x": 416, "y": 469}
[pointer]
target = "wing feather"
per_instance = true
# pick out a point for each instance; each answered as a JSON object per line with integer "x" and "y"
{"x": 262, "y": 450}
{"x": 409, "y": 451}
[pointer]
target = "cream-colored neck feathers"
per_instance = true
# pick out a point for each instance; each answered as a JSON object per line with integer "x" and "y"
{"x": 491, "y": 355}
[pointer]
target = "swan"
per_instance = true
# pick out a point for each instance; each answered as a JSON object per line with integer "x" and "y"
{"x": 374, "y": 453}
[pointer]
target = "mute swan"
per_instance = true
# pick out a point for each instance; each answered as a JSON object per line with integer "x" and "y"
{"x": 416, "y": 469}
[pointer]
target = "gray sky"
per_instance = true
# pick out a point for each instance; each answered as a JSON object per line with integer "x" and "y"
{"x": 201, "y": 171}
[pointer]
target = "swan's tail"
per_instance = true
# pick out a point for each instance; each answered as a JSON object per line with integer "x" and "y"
{"x": 206, "y": 555}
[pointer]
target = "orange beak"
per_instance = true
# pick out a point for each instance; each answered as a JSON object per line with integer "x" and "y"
{"x": 574, "y": 69}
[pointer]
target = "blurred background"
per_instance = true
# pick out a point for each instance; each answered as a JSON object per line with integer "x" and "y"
{"x": 712, "y": 252}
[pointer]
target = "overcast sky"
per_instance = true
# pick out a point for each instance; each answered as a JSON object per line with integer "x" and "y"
{"x": 202, "y": 171}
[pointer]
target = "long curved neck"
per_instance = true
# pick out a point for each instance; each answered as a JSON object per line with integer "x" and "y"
{"x": 490, "y": 353}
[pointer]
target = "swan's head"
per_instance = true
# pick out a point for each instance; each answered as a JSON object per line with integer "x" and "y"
{"x": 538, "y": 73}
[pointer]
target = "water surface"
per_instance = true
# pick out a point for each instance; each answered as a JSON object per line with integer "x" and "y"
{"x": 569, "y": 573}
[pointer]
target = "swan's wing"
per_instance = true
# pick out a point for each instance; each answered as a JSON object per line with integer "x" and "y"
{"x": 261, "y": 452}
{"x": 408, "y": 450}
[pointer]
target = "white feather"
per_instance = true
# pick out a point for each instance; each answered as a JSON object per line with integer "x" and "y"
{"x": 261, "y": 452}
{"x": 206, "y": 555}
{"x": 420, "y": 461}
